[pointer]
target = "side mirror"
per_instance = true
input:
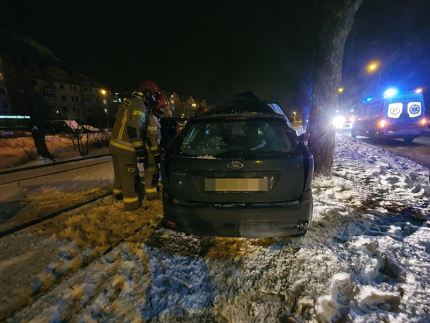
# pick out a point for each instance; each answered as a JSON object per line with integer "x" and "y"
{"x": 304, "y": 137}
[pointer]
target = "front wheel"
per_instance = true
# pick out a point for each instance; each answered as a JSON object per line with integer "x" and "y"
{"x": 408, "y": 140}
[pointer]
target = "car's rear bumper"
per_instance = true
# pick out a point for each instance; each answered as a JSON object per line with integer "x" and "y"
{"x": 390, "y": 133}
{"x": 240, "y": 220}
{"x": 402, "y": 133}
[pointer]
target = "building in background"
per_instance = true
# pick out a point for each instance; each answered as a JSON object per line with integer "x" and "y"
{"x": 5, "y": 107}
{"x": 61, "y": 94}
{"x": 33, "y": 81}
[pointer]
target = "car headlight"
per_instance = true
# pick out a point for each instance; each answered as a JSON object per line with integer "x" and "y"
{"x": 338, "y": 121}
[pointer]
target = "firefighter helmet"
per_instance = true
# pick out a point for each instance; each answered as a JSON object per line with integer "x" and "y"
{"x": 161, "y": 102}
{"x": 149, "y": 88}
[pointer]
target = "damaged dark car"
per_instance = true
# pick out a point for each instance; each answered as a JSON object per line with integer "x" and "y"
{"x": 238, "y": 170}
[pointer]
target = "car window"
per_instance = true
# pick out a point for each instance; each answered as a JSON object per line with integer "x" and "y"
{"x": 246, "y": 138}
{"x": 373, "y": 109}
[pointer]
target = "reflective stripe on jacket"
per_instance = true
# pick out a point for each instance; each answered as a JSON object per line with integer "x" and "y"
{"x": 154, "y": 132}
{"x": 129, "y": 127}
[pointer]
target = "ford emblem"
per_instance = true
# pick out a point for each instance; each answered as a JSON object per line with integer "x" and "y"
{"x": 235, "y": 164}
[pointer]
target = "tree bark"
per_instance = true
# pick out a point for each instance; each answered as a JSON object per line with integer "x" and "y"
{"x": 336, "y": 18}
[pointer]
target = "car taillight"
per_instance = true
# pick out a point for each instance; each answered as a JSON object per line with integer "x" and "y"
{"x": 423, "y": 121}
{"x": 382, "y": 124}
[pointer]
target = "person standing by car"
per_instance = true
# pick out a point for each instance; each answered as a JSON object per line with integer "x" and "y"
{"x": 153, "y": 151}
{"x": 168, "y": 124}
{"x": 127, "y": 144}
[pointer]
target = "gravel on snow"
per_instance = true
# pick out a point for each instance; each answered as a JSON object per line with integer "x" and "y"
{"x": 365, "y": 257}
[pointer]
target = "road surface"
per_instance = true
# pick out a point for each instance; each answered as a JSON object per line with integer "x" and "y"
{"x": 28, "y": 194}
{"x": 418, "y": 151}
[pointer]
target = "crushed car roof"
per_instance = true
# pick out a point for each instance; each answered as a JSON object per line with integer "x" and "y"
{"x": 244, "y": 103}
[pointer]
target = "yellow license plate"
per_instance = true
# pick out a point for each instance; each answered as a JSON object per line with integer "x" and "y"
{"x": 236, "y": 184}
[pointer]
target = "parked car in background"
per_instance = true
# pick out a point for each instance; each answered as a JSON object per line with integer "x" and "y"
{"x": 238, "y": 170}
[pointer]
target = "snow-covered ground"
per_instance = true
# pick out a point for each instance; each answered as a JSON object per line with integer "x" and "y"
{"x": 22, "y": 151}
{"x": 23, "y": 198}
{"x": 365, "y": 258}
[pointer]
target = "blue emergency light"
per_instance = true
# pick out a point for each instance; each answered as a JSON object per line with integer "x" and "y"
{"x": 390, "y": 92}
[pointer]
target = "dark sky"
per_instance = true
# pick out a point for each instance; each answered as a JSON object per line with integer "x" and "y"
{"x": 211, "y": 49}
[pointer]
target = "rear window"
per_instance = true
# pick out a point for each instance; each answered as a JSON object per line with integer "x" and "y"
{"x": 244, "y": 138}
{"x": 372, "y": 109}
{"x": 404, "y": 109}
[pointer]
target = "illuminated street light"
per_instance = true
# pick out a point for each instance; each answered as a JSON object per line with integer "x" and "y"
{"x": 103, "y": 92}
{"x": 294, "y": 116}
{"x": 340, "y": 90}
{"x": 372, "y": 67}
{"x": 193, "y": 105}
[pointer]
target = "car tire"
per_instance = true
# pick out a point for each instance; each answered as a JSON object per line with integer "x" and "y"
{"x": 408, "y": 140}
{"x": 353, "y": 133}
{"x": 372, "y": 136}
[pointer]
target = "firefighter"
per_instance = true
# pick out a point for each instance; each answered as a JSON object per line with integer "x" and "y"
{"x": 127, "y": 144}
{"x": 168, "y": 124}
{"x": 153, "y": 152}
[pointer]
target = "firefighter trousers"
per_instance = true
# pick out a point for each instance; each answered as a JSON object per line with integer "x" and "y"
{"x": 127, "y": 180}
{"x": 151, "y": 175}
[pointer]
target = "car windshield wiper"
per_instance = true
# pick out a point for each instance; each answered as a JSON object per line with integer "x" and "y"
{"x": 270, "y": 152}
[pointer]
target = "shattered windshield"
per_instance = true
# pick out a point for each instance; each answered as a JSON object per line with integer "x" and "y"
{"x": 246, "y": 138}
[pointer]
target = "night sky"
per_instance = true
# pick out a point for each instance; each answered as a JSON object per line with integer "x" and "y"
{"x": 215, "y": 49}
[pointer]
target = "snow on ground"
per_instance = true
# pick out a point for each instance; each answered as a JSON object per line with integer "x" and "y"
{"x": 365, "y": 258}
{"x": 21, "y": 151}
{"x": 26, "y": 199}
{"x": 419, "y": 150}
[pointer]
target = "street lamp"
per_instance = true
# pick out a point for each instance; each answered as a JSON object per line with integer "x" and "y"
{"x": 340, "y": 90}
{"x": 107, "y": 118}
{"x": 373, "y": 66}
{"x": 103, "y": 92}
{"x": 294, "y": 116}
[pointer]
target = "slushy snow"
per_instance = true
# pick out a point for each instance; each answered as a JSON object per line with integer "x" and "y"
{"x": 365, "y": 258}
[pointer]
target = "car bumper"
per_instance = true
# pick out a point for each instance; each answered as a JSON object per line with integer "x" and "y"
{"x": 240, "y": 220}
{"x": 401, "y": 133}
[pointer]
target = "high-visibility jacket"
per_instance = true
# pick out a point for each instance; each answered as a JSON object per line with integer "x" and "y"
{"x": 153, "y": 135}
{"x": 129, "y": 130}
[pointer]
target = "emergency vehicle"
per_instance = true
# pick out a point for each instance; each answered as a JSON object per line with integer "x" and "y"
{"x": 395, "y": 115}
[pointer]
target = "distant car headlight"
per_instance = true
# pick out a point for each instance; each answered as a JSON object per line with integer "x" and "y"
{"x": 338, "y": 121}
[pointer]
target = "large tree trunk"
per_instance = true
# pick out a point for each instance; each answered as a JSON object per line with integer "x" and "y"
{"x": 336, "y": 18}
